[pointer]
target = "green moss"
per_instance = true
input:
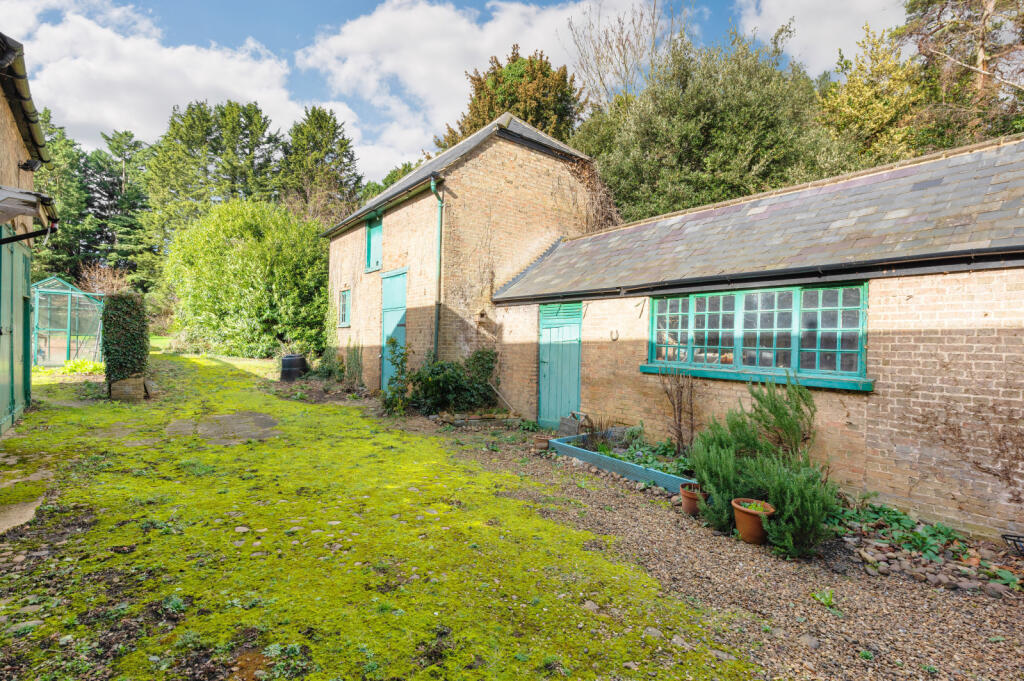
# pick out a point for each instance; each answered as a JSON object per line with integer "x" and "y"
{"x": 21, "y": 492}
{"x": 377, "y": 558}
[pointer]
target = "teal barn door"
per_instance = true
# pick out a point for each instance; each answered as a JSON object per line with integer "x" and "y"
{"x": 392, "y": 318}
{"x": 559, "y": 359}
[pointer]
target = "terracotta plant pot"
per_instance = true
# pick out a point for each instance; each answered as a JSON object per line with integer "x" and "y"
{"x": 749, "y": 522}
{"x": 690, "y": 492}
{"x": 540, "y": 442}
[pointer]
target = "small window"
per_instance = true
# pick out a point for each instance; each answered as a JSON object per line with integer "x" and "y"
{"x": 374, "y": 240}
{"x": 345, "y": 308}
{"x": 805, "y": 331}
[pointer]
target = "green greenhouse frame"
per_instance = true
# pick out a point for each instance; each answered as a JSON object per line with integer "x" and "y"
{"x": 66, "y": 323}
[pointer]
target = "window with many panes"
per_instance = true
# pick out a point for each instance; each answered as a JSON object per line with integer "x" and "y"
{"x": 801, "y": 330}
{"x": 345, "y": 308}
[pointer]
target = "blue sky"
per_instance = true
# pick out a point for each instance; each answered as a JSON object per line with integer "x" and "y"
{"x": 392, "y": 70}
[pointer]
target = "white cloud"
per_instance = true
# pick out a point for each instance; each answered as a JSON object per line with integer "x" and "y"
{"x": 823, "y": 27}
{"x": 407, "y": 59}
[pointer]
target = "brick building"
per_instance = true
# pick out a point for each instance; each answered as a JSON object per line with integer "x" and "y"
{"x": 22, "y": 151}
{"x": 895, "y": 294}
{"x": 421, "y": 260}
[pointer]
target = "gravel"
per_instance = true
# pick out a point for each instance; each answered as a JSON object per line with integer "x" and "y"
{"x": 911, "y": 630}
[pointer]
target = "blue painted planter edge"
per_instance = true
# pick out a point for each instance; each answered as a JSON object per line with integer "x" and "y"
{"x": 629, "y": 470}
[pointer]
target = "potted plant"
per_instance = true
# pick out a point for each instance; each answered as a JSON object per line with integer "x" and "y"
{"x": 540, "y": 442}
{"x": 750, "y": 515}
{"x": 690, "y": 493}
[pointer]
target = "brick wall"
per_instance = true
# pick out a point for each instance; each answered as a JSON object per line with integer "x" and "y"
{"x": 942, "y": 434}
{"x": 12, "y": 152}
{"x": 505, "y": 204}
{"x": 408, "y": 241}
{"x": 517, "y": 331}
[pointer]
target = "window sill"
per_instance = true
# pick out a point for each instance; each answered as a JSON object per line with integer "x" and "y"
{"x": 371, "y": 269}
{"x": 345, "y": 326}
{"x": 809, "y": 381}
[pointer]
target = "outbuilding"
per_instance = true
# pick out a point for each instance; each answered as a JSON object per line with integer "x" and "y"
{"x": 895, "y": 294}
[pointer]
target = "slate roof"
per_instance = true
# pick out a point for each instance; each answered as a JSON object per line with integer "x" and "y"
{"x": 959, "y": 203}
{"x": 515, "y": 128}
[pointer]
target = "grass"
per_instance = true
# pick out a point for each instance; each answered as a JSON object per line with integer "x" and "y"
{"x": 339, "y": 548}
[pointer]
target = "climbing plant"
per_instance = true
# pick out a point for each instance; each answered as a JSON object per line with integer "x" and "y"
{"x": 125, "y": 343}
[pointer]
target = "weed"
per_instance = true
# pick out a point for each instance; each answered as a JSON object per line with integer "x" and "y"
{"x": 867, "y": 655}
{"x": 827, "y": 598}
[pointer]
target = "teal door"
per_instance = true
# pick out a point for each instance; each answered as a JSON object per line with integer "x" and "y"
{"x": 392, "y": 318}
{"x": 559, "y": 358}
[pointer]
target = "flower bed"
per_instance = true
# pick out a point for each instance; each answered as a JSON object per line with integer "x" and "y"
{"x": 568, "y": 446}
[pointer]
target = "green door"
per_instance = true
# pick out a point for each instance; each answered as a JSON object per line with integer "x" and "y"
{"x": 7, "y": 284}
{"x": 392, "y": 318}
{"x": 559, "y": 358}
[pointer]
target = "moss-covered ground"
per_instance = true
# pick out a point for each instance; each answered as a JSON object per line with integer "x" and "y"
{"x": 338, "y": 547}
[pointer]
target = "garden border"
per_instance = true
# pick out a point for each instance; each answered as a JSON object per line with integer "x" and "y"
{"x": 626, "y": 469}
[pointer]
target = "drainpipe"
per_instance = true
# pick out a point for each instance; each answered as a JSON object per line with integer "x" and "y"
{"x": 437, "y": 292}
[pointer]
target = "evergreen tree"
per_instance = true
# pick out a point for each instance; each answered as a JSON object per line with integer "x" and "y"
{"x": 715, "y": 123}
{"x": 319, "y": 177}
{"x": 79, "y": 237}
{"x": 246, "y": 152}
{"x": 371, "y": 189}
{"x": 530, "y": 87}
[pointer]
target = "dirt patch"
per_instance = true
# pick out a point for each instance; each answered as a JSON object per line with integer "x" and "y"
{"x": 227, "y": 429}
{"x": 13, "y": 515}
{"x": 880, "y": 627}
{"x": 250, "y": 665}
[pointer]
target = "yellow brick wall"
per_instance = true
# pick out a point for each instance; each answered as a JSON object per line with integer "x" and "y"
{"x": 12, "y": 152}
{"x": 505, "y": 205}
{"x": 947, "y": 356}
{"x": 517, "y": 332}
{"x": 408, "y": 241}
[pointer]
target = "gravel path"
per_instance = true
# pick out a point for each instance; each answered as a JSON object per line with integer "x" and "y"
{"x": 889, "y": 628}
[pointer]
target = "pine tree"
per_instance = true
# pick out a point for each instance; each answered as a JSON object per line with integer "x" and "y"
{"x": 319, "y": 179}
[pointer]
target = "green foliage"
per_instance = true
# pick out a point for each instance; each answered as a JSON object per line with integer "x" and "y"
{"x": 898, "y": 528}
{"x": 529, "y": 87}
{"x": 827, "y": 598}
{"x": 82, "y": 366}
{"x": 762, "y": 454}
{"x": 20, "y": 492}
{"x": 125, "y": 341}
{"x": 395, "y": 396}
{"x": 529, "y": 426}
{"x": 371, "y": 189}
{"x": 454, "y": 386}
{"x": 715, "y": 123}
{"x": 353, "y": 364}
{"x": 249, "y": 278}
{"x": 318, "y": 169}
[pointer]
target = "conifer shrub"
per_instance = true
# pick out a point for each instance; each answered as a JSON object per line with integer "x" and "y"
{"x": 763, "y": 454}
{"x": 125, "y": 343}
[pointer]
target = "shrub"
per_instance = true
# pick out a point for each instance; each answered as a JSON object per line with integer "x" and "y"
{"x": 803, "y": 499}
{"x": 249, "y": 280}
{"x": 762, "y": 454}
{"x": 395, "y": 396}
{"x": 458, "y": 386}
{"x": 125, "y": 343}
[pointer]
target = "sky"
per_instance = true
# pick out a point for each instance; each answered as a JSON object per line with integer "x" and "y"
{"x": 392, "y": 71}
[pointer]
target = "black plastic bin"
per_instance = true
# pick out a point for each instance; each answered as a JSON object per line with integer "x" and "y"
{"x": 292, "y": 367}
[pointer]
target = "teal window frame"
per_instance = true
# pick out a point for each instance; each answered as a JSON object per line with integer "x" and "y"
{"x": 704, "y": 335}
{"x": 345, "y": 308}
{"x": 374, "y": 244}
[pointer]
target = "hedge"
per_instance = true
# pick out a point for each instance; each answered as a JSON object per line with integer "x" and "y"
{"x": 125, "y": 343}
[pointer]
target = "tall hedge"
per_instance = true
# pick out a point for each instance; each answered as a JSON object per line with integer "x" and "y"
{"x": 125, "y": 335}
{"x": 250, "y": 280}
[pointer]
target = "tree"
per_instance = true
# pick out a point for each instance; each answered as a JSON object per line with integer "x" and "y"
{"x": 615, "y": 56}
{"x": 77, "y": 241}
{"x": 877, "y": 102}
{"x": 714, "y": 124}
{"x": 371, "y": 189}
{"x": 117, "y": 197}
{"x": 529, "y": 87}
{"x": 249, "y": 280}
{"x": 319, "y": 177}
{"x": 246, "y": 152}
{"x": 973, "y": 55}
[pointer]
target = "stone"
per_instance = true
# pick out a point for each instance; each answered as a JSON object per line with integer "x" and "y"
{"x": 132, "y": 389}
{"x": 591, "y": 606}
{"x": 987, "y": 554}
{"x": 883, "y": 569}
{"x": 867, "y": 556}
{"x": 633, "y": 666}
{"x": 652, "y": 632}
{"x": 870, "y": 570}
{"x": 241, "y": 529}
{"x": 968, "y": 584}
{"x": 994, "y": 589}
{"x": 932, "y": 579}
{"x": 918, "y": 575}
{"x": 810, "y": 642}
{"x": 22, "y": 626}
{"x": 721, "y": 654}
{"x": 681, "y": 642}
{"x": 31, "y": 608}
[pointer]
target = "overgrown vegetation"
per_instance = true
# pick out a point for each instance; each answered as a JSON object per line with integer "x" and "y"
{"x": 763, "y": 453}
{"x": 365, "y": 552}
{"x": 249, "y": 278}
{"x": 395, "y": 395}
{"x": 461, "y": 386}
{"x": 125, "y": 343}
